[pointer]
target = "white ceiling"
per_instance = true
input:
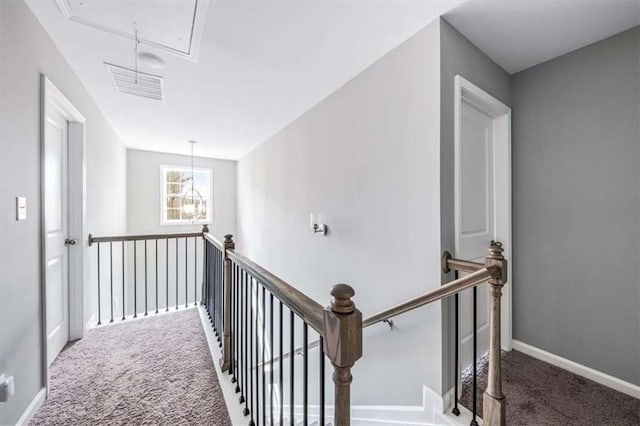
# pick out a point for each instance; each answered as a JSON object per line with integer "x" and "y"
{"x": 518, "y": 34}
{"x": 262, "y": 64}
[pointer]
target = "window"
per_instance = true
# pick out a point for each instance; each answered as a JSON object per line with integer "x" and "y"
{"x": 184, "y": 201}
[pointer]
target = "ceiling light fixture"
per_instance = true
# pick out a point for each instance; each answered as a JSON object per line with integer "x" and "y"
{"x": 152, "y": 60}
{"x": 193, "y": 205}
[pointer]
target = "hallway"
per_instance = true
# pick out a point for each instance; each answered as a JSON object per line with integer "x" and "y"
{"x": 539, "y": 393}
{"x": 155, "y": 370}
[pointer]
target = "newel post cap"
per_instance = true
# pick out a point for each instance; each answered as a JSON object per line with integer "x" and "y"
{"x": 342, "y": 328}
{"x": 228, "y": 241}
{"x": 342, "y": 303}
{"x": 496, "y": 258}
{"x": 205, "y": 228}
{"x": 496, "y": 250}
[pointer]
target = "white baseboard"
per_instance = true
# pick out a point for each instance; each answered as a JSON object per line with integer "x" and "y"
{"x": 32, "y": 408}
{"x": 579, "y": 369}
{"x": 228, "y": 389}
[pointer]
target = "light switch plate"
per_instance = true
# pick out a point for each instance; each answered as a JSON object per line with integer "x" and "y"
{"x": 21, "y": 208}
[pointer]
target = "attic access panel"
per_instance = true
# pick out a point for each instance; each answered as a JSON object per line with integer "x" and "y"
{"x": 171, "y": 26}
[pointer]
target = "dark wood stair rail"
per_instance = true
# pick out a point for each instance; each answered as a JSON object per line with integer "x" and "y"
{"x": 493, "y": 271}
{"x": 340, "y": 324}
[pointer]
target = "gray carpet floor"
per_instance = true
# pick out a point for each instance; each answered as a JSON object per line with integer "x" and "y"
{"x": 541, "y": 394}
{"x": 152, "y": 371}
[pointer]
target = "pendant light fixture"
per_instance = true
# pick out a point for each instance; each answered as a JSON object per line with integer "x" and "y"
{"x": 193, "y": 206}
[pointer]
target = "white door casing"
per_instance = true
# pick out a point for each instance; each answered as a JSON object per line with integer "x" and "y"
{"x": 56, "y": 229}
{"x": 482, "y": 203}
{"x": 63, "y": 215}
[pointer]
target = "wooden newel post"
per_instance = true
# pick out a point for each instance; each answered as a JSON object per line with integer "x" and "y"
{"x": 203, "y": 290}
{"x": 494, "y": 402}
{"x": 343, "y": 346}
{"x": 225, "y": 361}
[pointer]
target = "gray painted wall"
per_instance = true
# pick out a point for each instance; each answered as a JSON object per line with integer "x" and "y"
{"x": 458, "y": 56}
{"x": 576, "y": 174}
{"x": 367, "y": 158}
{"x": 143, "y": 192}
{"x": 27, "y": 51}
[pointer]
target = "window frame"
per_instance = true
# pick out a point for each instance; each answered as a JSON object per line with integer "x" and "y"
{"x": 164, "y": 169}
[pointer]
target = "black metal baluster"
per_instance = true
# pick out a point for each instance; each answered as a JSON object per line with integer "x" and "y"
{"x": 264, "y": 365}
{"x": 135, "y": 279}
{"x": 111, "y": 275}
{"x": 166, "y": 293}
{"x": 145, "y": 279}
{"x": 321, "y": 377}
{"x": 176, "y": 274}
{"x": 291, "y": 368}
{"x": 156, "y": 276}
{"x": 218, "y": 298}
{"x": 456, "y": 373}
{"x": 280, "y": 378}
{"x": 237, "y": 331}
{"x": 123, "y": 291}
{"x": 257, "y": 368}
{"x": 205, "y": 274}
{"x": 99, "y": 301}
{"x": 222, "y": 296}
{"x": 186, "y": 273}
{"x": 242, "y": 338}
{"x": 247, "y": 349}
{"x": 232, "y": 327}
{"x": 195, "y": 271}
{"x": 305, "y": 373}
{"x": 475, "y": 355}
{"x": 271, "y": 352}
{"x": 216, "y": 307}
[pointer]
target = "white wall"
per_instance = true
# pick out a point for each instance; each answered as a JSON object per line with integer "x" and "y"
{"x": 25, "y": 52}
{"x": 143, "y": 217}
{"x": 143, "y": 192}
{"x": 368, "y": 158}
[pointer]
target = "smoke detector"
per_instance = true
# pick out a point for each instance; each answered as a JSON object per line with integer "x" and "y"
{"x": 136, "y": 83}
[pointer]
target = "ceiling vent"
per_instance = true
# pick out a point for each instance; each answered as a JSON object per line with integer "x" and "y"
{"x": 136, "y": 83}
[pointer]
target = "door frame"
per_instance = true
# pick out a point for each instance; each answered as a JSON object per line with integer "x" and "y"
{"x": 465, "y": 91}
{"x": 76, "y": 211}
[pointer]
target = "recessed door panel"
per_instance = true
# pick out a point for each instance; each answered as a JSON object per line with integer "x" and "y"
{"x": 475, "y": 228}
{"x": 56, "y": 220}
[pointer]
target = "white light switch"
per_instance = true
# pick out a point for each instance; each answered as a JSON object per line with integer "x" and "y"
{"x": 21, "y": 208}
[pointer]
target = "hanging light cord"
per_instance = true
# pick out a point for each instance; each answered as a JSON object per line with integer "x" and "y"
{"x": 135, "y": 30}
{"x": 192, "y": 179}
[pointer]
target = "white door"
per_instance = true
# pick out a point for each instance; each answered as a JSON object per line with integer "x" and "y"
{"x": 56, "y": 224}
{"x": 476, "y": 219}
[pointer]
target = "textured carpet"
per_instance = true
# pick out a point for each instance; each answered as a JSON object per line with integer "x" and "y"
{"x": 152, "y": 371}
{"x": 541, "y": 394}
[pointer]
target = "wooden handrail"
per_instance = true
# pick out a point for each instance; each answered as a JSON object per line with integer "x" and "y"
{"x": 475, "y": 278}
{"x": 213, "y": 240}
{"x": 302, "y": 305}
{"x": 340, "y": 323}
{"x": 107, "y": 239}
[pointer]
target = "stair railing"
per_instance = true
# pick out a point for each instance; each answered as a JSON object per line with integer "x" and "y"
{"x": 235, "y": 295}
{"x": 494, "y": 272}
{"x": 244, "y": 301}
{"x": 145, "y": 274}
